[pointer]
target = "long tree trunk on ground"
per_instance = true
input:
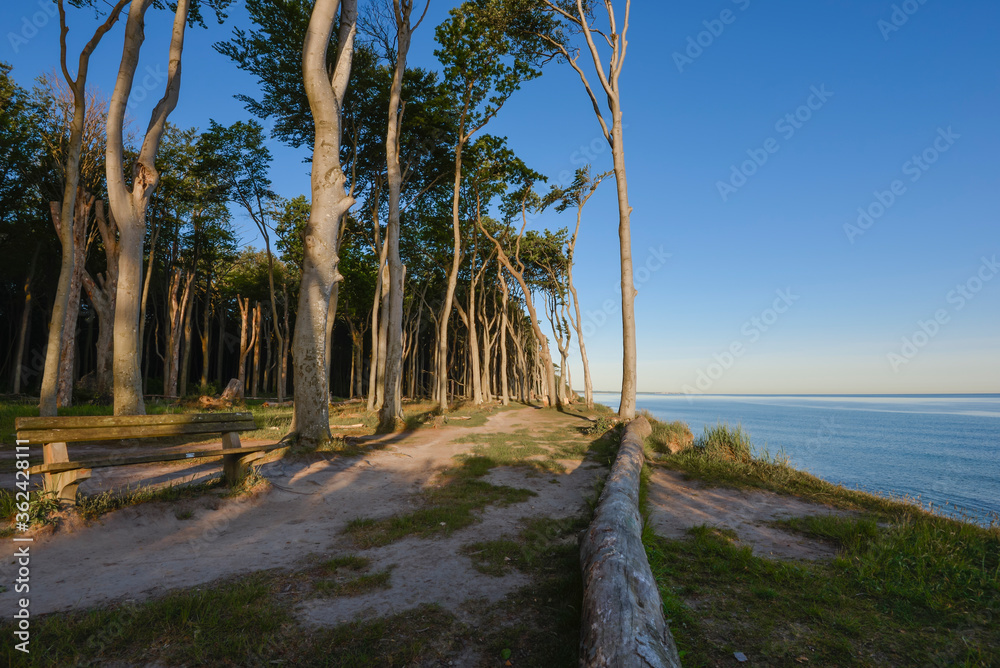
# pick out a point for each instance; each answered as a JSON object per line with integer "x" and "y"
{"x": 617, "y": 40}
{"x": 50, "y": 376}
{"x": 392, "y": 409}
{"x": 102, "y": 294}
{"x": 129, "y": 203}
{"x": 329, "y": 202}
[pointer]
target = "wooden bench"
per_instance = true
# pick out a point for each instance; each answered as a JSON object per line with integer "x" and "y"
{"x": 62, "y": 476}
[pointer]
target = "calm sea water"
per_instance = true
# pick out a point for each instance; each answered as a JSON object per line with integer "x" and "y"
{"x": 940, "y": 448}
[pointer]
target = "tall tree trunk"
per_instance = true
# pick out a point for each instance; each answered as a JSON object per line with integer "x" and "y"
{"x": 188, "y": 336}
{"x": 377, "y": 299}
{"x": 177, "y": 305}
{"x": 102, "y": 295}
{"x": 24, "y": 330}
{"x": 246, "y": 312}
{"x": 67, "y": 349}
{"x": 206, "y": 328}
{"x": 257, "y": 322}
{"x": 392, "y": 409}
{"x": 129, "y": 203}
{"x": 504, "y": 325}
{"x": 66, "y": 211}
{"x": 220, "y": 347}
{"x": 330, "y": 201}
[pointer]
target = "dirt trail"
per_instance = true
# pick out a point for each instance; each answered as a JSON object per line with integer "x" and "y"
{"x": 146, "y": 550}
{"x": 677, "y": 504}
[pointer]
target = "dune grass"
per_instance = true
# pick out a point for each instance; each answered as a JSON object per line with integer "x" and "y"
{"x": 908, "y": 587}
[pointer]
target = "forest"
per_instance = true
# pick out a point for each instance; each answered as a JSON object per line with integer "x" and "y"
{"x": 409, "y": 268}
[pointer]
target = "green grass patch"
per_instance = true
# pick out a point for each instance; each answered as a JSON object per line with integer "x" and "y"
{"x": 542, "y": 543}
{"x": 355, "y": 586}
{"x": 452, "y": 504}
{"x": 916, "y": 593}
{"x": 243, "y": 622}
{"x": 908, "y": 588}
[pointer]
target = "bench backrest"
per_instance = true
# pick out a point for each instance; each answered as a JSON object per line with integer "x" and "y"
{"x": 75, "y": 429}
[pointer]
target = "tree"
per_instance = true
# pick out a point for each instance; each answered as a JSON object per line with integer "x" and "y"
{"x": 330, "y": 202}
{"x": 576, "y": 195}
{"x": 129, "y": 202}
{"x": 63, "y": 213}
{"x": 238, "y": 155}
{"x": 577, "y": 17}
{"x": 483, "y": 66}
{"x": 392, "y": 409}
{"x": 22, "y": 238}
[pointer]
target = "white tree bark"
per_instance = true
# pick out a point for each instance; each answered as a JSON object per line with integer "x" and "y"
{"x": 610, "y": 84}
{"x": 129, "y": 202}
{"x": 50, "y": 376}
{"x": 329, "y": 202}
{"x": 392, "y": 409}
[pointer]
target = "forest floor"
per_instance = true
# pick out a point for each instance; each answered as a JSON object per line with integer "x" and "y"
{"x": 454, "y": 543}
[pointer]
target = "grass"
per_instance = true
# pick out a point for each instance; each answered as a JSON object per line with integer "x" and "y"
{"x": 720, "y": 458}
{"x": 452, "y": 504}
{"x": 913, "y": 594}
{"x": 356, "y": 586}
{"x": 246, "y": 621}
{"x": 542, "y": 544}
{"x": 908, "y": 587}
{"x": 668, "y": 437}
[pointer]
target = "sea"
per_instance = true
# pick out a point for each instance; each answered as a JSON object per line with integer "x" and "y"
{"x": 941, "y": 451}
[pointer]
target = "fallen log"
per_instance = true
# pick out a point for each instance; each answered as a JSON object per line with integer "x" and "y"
{"x": 622, "y": 622}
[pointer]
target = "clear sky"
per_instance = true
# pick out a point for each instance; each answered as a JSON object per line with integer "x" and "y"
{"x": 755, "y": 133}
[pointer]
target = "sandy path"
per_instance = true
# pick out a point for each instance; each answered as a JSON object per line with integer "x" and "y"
{"x": 146, "y": 550}
{"x": 677, "y": 504}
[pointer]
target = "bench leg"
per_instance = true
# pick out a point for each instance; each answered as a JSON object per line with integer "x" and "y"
{"x": 235, "y": 466}
{"x": 64, "y": 485}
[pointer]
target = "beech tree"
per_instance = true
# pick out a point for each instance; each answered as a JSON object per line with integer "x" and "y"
{"x": 577, "y": 17}
{"x": 576, "y": 195}
{"x": 392, "y": 409}
{"x": 63, "y": 212}
{"x": 483, "y": 66}
{"x": 129, "y": 201}
{"x": 330, "y": 202}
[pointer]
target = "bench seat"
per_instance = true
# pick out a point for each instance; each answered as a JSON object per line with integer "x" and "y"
{"x": 62, "y": 476}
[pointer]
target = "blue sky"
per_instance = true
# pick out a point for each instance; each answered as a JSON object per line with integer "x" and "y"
{"x": 906, "y": 302}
